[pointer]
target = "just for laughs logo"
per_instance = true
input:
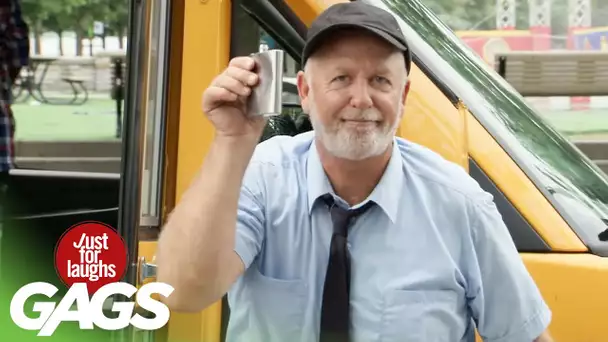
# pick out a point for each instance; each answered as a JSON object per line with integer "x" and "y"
{"x": 90, "y": 259}
{"x": 92, "y": 253}
{"x": 90, "y": 265}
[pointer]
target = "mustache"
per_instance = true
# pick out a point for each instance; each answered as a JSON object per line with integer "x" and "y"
{"x": 369, "y": 114}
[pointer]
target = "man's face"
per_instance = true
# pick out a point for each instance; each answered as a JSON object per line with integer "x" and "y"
{"x": 354, "y": 90}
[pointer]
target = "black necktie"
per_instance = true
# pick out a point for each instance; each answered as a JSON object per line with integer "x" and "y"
{"x": 335, "y": 310}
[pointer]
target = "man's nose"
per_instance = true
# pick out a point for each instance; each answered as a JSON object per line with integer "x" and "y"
{"x": 360, "y": 95}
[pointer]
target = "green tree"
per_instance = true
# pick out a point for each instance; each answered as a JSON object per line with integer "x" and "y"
{"x": 35, "y": 12}
{"x": 118, "y": 19}
{"x": 83, "y": 14}
{"x": 59, "y": 18}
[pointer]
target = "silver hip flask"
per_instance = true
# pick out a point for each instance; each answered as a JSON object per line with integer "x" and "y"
{"x": 266, "y": 96}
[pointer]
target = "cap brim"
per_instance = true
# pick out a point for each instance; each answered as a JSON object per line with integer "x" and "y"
{"x": 315, "y": 41}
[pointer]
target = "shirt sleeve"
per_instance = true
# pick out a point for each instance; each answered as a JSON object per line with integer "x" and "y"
{"x": 506, "y": 304}
{"x": 250, "y": 221}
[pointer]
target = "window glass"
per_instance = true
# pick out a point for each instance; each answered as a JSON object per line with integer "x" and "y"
{"x": 572, "y": 182}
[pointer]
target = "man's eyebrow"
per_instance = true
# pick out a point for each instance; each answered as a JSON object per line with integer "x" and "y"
{"x": 341, "y": 67}
{"x": 334, "y": 69}
{"x": 384, "y": 70}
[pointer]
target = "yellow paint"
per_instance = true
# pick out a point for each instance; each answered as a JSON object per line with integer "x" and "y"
{"x": 205, "y": 53}
{"x": 520, "y": 190}
{"x": 173, "y": 108}
{"x": 432, "y": 120}
{"x": 493, "y": 33}
{"x": 574, "y": 286}
{"x": 307, "y": 10}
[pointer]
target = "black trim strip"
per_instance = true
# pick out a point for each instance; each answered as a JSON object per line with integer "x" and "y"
{"x": 225, "y": 319}
{"x": 271, "y": 20}
{"x": 291, "y": 17}
{"x": 523, "y": 234}
{"x": 129, "y": 191}
{"x": 443, "y": 87}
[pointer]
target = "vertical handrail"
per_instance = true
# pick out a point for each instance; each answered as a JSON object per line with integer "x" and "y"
{"x": 129, "y": 192}
{"x": 128, "y": 214}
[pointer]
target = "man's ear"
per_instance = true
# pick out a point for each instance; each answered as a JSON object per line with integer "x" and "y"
{"x": 303, "y": 89}
{"x": 406, "y": 91}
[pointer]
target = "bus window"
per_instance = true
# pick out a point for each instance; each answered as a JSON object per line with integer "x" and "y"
{"x": 248, "y": 37}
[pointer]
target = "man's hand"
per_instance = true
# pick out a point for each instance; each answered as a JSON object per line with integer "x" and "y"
{"x": 544, "y": 337}
{"x": 225, "y": 102}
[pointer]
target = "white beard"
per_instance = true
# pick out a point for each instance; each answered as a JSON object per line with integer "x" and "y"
{"x": 353, "y": 143}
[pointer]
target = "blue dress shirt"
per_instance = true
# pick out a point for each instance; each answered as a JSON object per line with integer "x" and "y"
{"x": 430, "y": 262}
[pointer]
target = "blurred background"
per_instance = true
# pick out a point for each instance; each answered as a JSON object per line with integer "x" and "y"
{"x": 66, "y": 108}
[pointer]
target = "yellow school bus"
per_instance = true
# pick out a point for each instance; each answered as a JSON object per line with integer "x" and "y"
{"x": 553, "y": 198}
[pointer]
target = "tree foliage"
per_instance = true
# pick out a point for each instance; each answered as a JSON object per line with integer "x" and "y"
{"x": 75, "y": 15}
{"x": 78, "y": 15}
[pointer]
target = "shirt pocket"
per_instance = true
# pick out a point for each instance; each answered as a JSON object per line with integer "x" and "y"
{"x": 278, "y": 307}
{"x": 420, "y": 316}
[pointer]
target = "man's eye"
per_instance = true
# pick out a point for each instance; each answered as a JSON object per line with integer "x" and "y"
{"x": 381, "y": 79}
{"x": 340, "y": 78}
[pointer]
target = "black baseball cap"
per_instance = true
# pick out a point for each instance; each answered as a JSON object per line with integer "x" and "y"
{"x": 356, "y": 15}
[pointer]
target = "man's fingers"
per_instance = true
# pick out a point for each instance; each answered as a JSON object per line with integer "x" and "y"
{"x": 216, "y": 96}
{"x": 233, "y": 85}
{"x": 243, "y": 62}
{"x": 236, "y": 81}
{"x": 244, "y": 76}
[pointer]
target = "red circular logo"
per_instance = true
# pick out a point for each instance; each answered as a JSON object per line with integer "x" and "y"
{"x": 92, "y": 253}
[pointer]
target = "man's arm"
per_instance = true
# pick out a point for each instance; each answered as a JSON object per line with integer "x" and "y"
{"x": 505, "y": 302}
{"x": 545, "y": 337}
{"x": 215, "y": 231}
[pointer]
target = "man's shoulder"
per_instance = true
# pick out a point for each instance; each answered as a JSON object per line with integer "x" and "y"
{"x": 436, "y": 171}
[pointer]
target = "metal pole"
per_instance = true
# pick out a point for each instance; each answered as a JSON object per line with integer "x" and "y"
{"x": 129, "y": 198}
{"x": 119, "y": 92}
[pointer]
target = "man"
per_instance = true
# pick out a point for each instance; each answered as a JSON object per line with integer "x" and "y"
{"x": 426, "y": 256}
{"x": 14, "y": 54}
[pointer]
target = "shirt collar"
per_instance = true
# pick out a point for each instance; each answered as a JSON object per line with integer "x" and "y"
{"x": 386, "y": 194}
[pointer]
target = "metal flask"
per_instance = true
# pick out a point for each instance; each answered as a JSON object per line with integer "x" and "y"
{"x": 266, "y": 96}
